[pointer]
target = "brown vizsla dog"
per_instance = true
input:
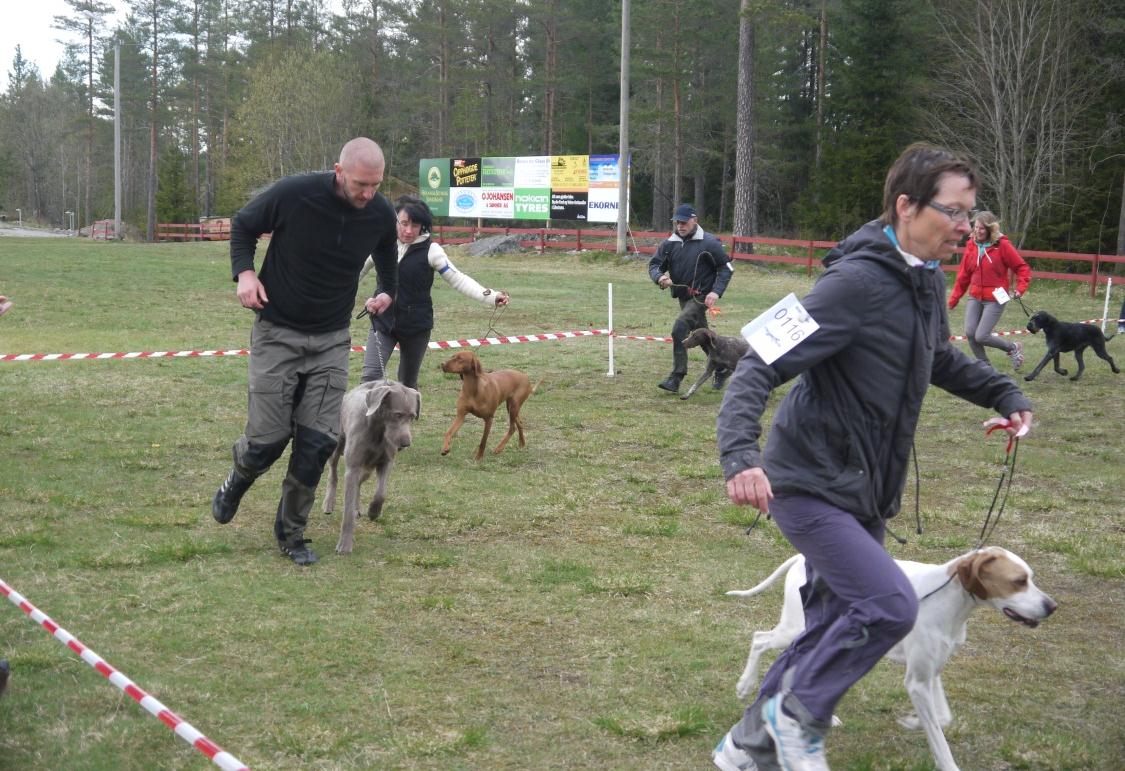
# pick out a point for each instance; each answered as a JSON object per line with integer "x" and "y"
{"x": 482, "y": 393}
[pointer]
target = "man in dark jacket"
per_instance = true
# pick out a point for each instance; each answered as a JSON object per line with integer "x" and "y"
{"x": 697, "y": 268}
{"x": 835, "y": 463}
{"x": 322, "y": 227}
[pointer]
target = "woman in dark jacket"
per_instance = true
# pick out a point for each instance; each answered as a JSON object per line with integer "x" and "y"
{"x": 409, "y": 320}
{"x": 868, "y": 340}
{"x": 985, "y": 272}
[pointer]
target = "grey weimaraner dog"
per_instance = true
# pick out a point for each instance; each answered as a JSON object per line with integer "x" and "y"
{"x": 375, "y": 421}
{"x": 723, "y": 354}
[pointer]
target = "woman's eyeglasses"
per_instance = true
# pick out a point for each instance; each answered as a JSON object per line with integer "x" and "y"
{"x": 956, "y": 215}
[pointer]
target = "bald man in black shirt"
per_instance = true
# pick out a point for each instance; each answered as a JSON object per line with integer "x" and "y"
{"x": 322, "y": 228}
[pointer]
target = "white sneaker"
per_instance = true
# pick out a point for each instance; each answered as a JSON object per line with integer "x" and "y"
{"x": 730, "y": 758}
{"x": 1016, "y": 355}
{"x": 798, "y": 749}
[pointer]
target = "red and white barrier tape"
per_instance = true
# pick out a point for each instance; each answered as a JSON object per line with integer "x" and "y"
{"x": 469, "y": 343}
{"x": 443, "y": 344}
{"x": 1024, "y": 331}
{"x": 182, "y": 729}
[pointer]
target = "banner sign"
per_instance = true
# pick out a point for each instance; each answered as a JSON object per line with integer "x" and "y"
{"x": 579, "y": 188}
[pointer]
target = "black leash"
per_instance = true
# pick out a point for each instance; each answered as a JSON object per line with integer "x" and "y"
{"x": 1008, "y": 473}
{"x": 1026, "y": 312}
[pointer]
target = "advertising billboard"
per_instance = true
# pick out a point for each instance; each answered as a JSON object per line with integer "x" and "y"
{"x": 578, "y": 188}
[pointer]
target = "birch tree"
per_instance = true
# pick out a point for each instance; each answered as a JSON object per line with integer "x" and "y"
{"x": 1009, "y": 93}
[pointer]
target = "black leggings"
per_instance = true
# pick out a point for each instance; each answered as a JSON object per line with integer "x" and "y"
{"x": 411, "y": 352}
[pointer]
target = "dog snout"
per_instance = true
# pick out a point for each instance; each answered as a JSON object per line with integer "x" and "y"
{"x": 1049, "y": 605}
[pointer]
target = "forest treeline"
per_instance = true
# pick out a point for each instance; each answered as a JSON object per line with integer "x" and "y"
{"x": 795, "y": 108}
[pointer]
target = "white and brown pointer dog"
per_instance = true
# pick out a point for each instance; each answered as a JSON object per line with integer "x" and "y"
{"x": 949, "y": 594}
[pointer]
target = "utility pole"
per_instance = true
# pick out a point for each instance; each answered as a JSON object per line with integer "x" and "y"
{"x": 623, "y": 136}
{"x": 116, "y": 141}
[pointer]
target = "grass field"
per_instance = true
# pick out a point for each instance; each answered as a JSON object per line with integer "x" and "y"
{"x": 557, "y": 607}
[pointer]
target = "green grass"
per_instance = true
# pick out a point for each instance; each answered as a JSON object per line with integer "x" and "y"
{"x": 559, "y": 606}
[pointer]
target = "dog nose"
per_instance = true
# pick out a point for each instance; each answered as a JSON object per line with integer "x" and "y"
{"x": 1049, "y": 605}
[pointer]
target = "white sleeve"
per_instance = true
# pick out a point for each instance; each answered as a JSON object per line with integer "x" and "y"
{"x": 367, "y": 266}
{"x": 458, "y": 280}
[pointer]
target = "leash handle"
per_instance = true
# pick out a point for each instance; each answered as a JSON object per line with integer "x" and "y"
{"x": 1003, "y": 424}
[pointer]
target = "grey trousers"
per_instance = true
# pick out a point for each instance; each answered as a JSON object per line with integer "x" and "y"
{"x": 858, "y": 604}
{"x": 693, "y": 315}
{"x": 296, "y": 384}
{"x": 980, "y": 319}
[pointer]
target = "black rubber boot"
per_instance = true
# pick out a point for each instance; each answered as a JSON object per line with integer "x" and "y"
{"x": 671, "y": 383}
{"x": 298, "y": 550}
{"x": 225, "y": 503}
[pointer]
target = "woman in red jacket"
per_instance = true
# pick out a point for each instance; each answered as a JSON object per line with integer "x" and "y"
{"x": 989, "y": 257}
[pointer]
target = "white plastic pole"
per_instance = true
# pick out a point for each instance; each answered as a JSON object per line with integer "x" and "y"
{"x": 1108, "y": 292}
{"x": 610, "y": 372}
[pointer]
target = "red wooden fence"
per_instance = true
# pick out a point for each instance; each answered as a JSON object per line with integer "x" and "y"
{"x": 788, "y": 251}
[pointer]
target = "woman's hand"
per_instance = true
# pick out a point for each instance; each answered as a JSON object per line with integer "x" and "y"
{"x": 502, "y": 299}
{"x": 377, "y": 304}
{"x": 750, "y": 486}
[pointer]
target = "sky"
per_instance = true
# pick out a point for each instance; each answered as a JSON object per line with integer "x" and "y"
{"x": 30, "y": 28}
{"x": 27, "y": 23}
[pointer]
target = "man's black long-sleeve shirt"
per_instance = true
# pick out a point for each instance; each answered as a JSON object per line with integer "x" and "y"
{"x": 318, "y": 244}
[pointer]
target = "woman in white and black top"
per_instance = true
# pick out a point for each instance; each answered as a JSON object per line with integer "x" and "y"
{"x": 409, "y": 320}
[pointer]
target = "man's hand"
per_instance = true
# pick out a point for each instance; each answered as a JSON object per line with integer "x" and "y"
{"x": 664, "y": 281}
{"x": 710, "y": 299}
{"x": 377, "y": 304}
{"x": 250, "y": 291}
{"x": 751, "y": 487}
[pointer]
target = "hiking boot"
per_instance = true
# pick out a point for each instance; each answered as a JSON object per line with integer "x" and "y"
{"x": 730, "y": 758}
{"x": 721, "y": 377}
{"x": 798, "y": 748}
{"x": 4, "y": 672}
{"x": 297, "y": 550}
{"x": 671, "y": 383}
{"x": 1016, "y": 355}
{"x": 225, "y": 503}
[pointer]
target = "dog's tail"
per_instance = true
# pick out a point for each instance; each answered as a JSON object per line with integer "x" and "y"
{"x": 534, "y": 387}
{"x": 782, "y": 569}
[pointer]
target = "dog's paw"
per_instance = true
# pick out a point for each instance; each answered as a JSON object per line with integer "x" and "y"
{"x": 1028, "y": 378}
{"x": 344, "y": 548}
{"x": 374, "y": 510}
{"x": 910, "y": 722}
{"x": 744, "y": 689}
{"x": 1075, "y": 378}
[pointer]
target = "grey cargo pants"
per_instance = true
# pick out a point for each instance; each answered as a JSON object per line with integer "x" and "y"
{"x": 297, "y": 381}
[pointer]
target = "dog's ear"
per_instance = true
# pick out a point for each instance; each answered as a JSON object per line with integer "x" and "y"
{"x": 477, "y": 368}
{"x": 375, "y": 398}
{"x": 417, "y": 395}
{"x": 969, "y": 573}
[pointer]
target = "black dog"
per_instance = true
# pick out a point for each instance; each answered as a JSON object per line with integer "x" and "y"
{"x": 1063, "y": 337}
